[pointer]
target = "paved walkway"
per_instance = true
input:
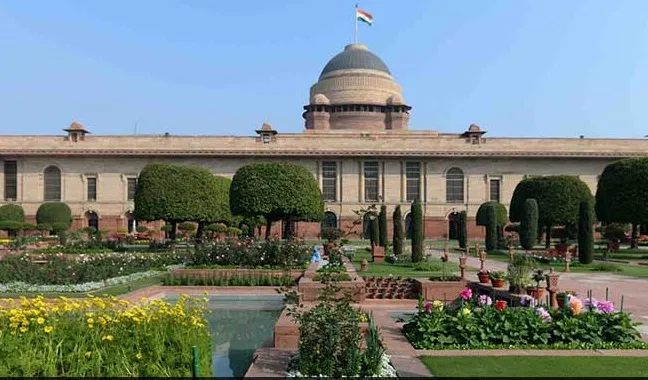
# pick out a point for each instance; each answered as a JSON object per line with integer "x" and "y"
{"x": 634, "y": 290}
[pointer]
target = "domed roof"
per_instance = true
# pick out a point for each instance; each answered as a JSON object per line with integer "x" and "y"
{"x": 355, "y": 56}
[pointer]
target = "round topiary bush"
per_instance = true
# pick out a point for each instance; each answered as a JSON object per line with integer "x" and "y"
{"x": 12, "y": 213}
{"x": 55, "y": 213}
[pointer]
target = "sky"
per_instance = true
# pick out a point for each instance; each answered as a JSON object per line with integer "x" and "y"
{"x": 518, "y": 68}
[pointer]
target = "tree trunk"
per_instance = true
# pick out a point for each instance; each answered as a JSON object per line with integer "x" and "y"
{"x": 633, "y": 238}
{"x": 172, "y": 233}
{"x": 548, "y": 237}
{"x": 200, "y": 231}
{"x": 267, "y": 232}
{"x": 258, "y": 228}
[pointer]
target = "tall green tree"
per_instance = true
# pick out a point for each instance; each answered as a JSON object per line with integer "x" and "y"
{"x": 382, "y": 225}
{"x": 417, "y": 232}
{"x": 529, "y": 224}
{"x": 463, "y": 229}
{"x": 585, "y": 233}
{"x": 622, "y": 194}
{"x": 491, "y": 228}
{"x": 398, "y": 231}
{"x": 558, "y": 200}
{"x": 277, "y": 191}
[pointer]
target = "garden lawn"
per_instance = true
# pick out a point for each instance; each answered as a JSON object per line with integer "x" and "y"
{"x": 536, "y": 366}
{"x": 403, "y": 269}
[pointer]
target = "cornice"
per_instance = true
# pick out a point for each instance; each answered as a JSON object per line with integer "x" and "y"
{"x": 312, "y": 153}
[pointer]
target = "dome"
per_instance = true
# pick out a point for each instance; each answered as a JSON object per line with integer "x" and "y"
{"x": 355, "y": 56}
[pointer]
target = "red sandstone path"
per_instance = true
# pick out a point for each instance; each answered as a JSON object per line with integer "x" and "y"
{"x": 634, "y": 290}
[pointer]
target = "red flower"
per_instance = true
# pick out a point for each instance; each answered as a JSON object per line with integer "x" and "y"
{"x": 500, "y": 305}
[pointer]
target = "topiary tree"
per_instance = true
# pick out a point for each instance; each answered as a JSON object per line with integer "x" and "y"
{"x": 622, "y": 194}
{"x": 382, "y": 226}
{"x": 502, "y": 219}
{"x": 585, "y": 233}
{"x": 56, "y": 214}
{"x": 463, "y": 229}
{"x": 417, "y": 232}
{"x": 529, "y": 224}
{"x": 558, "y": 199}
{"x": 12, "y": 212}
{"x": 398, "y": 233}
{"x": 491, "y": 228}
{"x": 374, "y": 230}
{"x": 278, "y": 191}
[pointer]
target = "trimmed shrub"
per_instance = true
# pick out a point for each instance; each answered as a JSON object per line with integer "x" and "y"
{"x": 14, "y": 213}
{"x": 374, "y": 230}
{"x": 529, "y": 224}
{"x": 482, "y": 219}
{"x": 585, "y": 233}
{"x": 491, "y": 229}
{"x": 417, "y": 232}
{"x": 463, "y": 229}
{"x": 382, "y": 226}
{"x": 398, "y": 231}
{"x": 56, "y": 214}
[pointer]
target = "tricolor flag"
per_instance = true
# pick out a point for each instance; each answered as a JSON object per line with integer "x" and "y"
{"x": 363, "y": 16}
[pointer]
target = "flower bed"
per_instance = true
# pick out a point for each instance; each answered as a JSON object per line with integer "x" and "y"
{"x": 385, "y": 370}
{"x": 103, "y": 337}
{"x": 23, "y": 287}
{"x": 251, "y": 254}
{"x": 58, "y": 270}
{"x": 481, "y": 322}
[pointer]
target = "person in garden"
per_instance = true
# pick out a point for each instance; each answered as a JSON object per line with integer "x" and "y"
{"x": 316, "y": 255}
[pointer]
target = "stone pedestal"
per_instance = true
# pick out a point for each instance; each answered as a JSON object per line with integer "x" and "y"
{"x": 482, "y": 259}
{"x": 552, "y": 287}
{"x": 363, "y": 265}
{"x": 462, "y": 266}
{"x": 378, "y": 254}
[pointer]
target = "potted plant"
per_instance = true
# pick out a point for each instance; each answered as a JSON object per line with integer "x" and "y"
{"x": 537, "y": 292}
{"x": 497, "y": 279}
{"x": 483, "y": 277}
{"x": 560, "y": 297}
{"x": 519, "y": 272}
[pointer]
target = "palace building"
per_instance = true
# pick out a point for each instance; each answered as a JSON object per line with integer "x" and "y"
{"x": 356, "y": 142}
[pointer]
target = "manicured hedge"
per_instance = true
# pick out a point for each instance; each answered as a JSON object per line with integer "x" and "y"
{"x": 56, "y": 214}
{"x": 417, "y": 232}
{"x": 529, "y": 224}
{"x": 11, "y": 212}
{"x": 398, "y": 231}
{"x": 585, "y": 233}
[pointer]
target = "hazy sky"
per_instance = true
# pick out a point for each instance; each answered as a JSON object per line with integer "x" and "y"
{"x": 516, "y": 68}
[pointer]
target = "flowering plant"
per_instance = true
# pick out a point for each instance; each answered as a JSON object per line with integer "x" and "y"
{"x": 500, "y": 305}
{"x": 466, "y": 294}
{"x": 484, "y": 300}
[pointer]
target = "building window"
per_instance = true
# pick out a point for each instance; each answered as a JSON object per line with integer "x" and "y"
{"x": 132, "y": 186}
{"x": 454, "y": 186}
{"x": 329, "y": 221}
{"x": 329, "y": 181}
{"x": 93, "y": 220}
{"x": 91, "y": 189}
{"x": 10, "y": 180}
{"x": 495, "y": 190}
{"x": 413, "y": 181}
{"x": 52, "y": 184}
{"x": 371, "y": 181}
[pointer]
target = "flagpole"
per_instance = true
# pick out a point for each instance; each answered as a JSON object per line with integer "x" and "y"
{"x": 355, "y": 18}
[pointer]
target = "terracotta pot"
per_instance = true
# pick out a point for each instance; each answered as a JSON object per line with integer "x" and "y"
{"x": 536, "y": 293}
{"x": 484, "y": 279}
{"x": 498, "y": 283}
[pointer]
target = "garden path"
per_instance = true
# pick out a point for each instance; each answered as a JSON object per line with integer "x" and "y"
{"x": 633, "y": 290}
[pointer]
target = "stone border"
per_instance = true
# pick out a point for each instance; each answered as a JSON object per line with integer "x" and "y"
{"x": 196, "y": 273}
{"x": 446, "y": 291}
{"x": 309, "y": 289}
{"x": 522, "y": 352}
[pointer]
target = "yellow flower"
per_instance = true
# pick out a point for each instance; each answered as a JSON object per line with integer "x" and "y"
{"x": 437, "y": 305}
{"x": 90, "y": 326}
{"x": 48, "y": 329}
{"x": 465, "y": 311}
{"x": 90, "y": 321}
{"x": 40, "y": 320}
{"x": 108, "y": 338}
{"x": 23, "y": 329}
{"x": 88, "y": 354}
{"x": 139, "y": 356}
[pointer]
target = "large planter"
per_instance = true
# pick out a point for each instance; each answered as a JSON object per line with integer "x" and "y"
{"x": 536, "y": 293}
{"x": 498, "y": 282}
{"x": 440, "y": 290}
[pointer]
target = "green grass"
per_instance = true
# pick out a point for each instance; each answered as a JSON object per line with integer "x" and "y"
{"x": 537, "y": 366}
{"x": 114, "y": 290}
{"x": 405, "y": 269}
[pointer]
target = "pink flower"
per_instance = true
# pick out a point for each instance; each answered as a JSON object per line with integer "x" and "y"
{"x": 605, "y": 307}
{"x": 428, "y": 307}
{"x": 466, "y": 294}
{"x": 544, "y": 314}
{"x": 484, "y": 300}
{"x": 591, "y": 304}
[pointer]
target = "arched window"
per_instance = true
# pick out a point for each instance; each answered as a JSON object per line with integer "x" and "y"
{"x": 93, "y": 220}
{"x": 454, "y": 186}
{"x": 52, "y": 176}
{"x": 329, "y": 221}
{"x": 408, "y": 226}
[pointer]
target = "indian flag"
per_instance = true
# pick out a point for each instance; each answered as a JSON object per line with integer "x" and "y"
{"x": 363, "y": 16}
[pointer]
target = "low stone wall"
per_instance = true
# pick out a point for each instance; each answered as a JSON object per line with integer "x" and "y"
{"x": 234, "y": 272}
{"x": 309, "y": 289}
{"x": 440, "y": 290}
{"x": 286, "y": 332}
